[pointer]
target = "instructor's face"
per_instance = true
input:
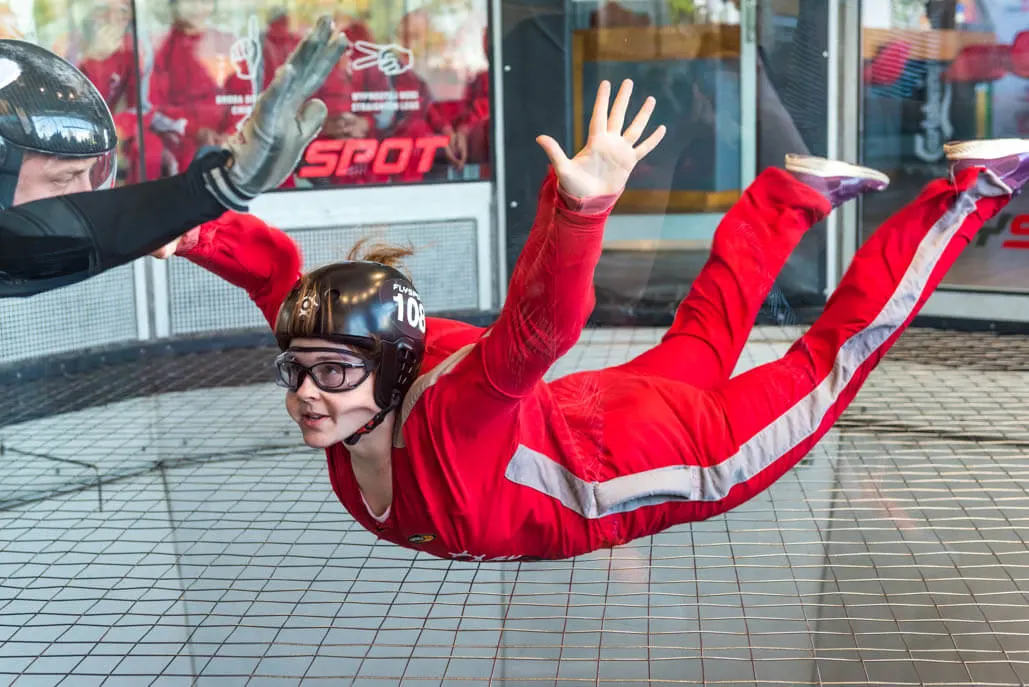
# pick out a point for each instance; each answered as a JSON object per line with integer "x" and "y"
{"x": 43, "y": 176}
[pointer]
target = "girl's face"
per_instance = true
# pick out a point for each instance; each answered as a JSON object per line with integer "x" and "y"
{"x": 326, "y": 418}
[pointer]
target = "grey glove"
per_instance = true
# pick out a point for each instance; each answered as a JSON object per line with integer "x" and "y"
{"x": 268, "y": 146}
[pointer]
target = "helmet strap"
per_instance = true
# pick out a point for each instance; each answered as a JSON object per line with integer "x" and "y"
{"x": 374, "y": 422}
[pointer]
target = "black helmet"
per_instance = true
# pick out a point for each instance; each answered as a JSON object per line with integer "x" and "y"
{"x": 364, "y": 304}
{"x": 48, "y": 106}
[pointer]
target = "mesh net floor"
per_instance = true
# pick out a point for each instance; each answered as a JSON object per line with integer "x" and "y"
{"x": 214, "y": 552}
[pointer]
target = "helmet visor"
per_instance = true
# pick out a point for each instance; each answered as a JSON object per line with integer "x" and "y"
{"x": 46, "y": 176}
{"x": 104, "y": 172}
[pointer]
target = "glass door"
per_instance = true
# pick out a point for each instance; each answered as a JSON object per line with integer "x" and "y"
{"x": 794, "y": 98}
{"x": 933, "y": 72}
{"x": 698, "y": 59}
{"x": 738, "y": 83}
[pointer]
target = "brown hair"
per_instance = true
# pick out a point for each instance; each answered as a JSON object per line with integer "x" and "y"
{"x": 387, "y": 254}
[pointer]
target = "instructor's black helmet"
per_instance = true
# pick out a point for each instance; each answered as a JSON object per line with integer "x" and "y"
{"x": 368, "y": 305}
{"x": 48, "y": 106}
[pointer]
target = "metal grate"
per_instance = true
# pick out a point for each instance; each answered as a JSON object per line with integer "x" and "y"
{"x": 93, "y": 313}
{"x": 894, "y": 555}
{"x": 443, "y": 269}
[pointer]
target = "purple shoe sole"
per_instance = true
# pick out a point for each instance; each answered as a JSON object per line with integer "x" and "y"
{"x": 839, "y": 189}
{"x": 1012, "y": 170}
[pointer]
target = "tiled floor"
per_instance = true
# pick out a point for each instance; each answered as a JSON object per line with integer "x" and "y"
{"x": 216, "y": 554}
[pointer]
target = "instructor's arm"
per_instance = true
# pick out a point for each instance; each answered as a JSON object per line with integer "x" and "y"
{"x": 49, "y": 243}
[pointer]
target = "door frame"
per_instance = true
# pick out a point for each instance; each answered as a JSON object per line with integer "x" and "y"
{"x": 748, "y": 91}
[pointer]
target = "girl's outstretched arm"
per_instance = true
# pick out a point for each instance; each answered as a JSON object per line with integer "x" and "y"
{"x": 551, "y": 291}
{"x": 246, "y": 252}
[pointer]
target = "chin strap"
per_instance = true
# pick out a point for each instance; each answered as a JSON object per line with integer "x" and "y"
{"x": 374, "y": 422}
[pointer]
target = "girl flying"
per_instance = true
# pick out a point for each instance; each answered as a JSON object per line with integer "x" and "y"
{"x": 444, "y": 437}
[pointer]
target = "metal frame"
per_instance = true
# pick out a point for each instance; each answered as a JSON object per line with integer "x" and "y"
{"x": 848, "y": 35}
{"x": 498, "y": 150}
{"x": 977, "y": 305}
{"x": 748, "y": 91}
{"x": 834, "y": 59}
{"x": 162, "y": 298}
{"x": 983, "y": 305}
{"x": 141, "y": 296}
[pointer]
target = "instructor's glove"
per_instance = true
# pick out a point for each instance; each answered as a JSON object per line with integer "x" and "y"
{"x": 268, "y": 146}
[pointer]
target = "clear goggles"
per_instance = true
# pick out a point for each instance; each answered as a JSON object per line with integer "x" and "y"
{"x": 328, "y": 375}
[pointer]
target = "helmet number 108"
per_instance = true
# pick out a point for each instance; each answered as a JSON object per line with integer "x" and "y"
{"x": 411, "y": 312}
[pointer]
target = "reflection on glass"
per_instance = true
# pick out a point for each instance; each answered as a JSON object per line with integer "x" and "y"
{"x": 201, "y": 83}
{"x": 692, "y": 69}
{"x": 410, "y": 100}
{"x": 96, "y": 36}
{"x": 935, "y": 72}
{"x": 105, "y": 53}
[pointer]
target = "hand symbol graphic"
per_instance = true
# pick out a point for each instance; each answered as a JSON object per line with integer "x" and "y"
{"x": 245, "y": 53}
{"x": 390, "y": 59}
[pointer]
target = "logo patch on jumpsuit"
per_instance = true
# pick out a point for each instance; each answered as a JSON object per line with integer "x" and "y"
{"x": 421, "y": 538}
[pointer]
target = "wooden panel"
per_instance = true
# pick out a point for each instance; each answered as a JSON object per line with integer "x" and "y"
{"x": 648, "y": 43}
{"x": 939, "y": 46}
{"x": 642, "y": 45}
{"x": 644, "y": 202}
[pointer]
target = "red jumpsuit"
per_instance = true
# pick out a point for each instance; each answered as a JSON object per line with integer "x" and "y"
{"x": 492, "y": 463}
{"x": 195, "y": 79}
